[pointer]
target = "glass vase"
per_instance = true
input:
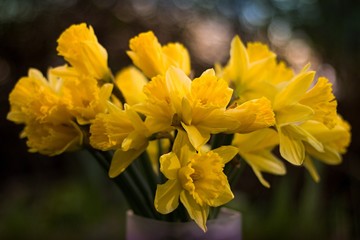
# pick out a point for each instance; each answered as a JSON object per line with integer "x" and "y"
{"x": 227, "y": 226}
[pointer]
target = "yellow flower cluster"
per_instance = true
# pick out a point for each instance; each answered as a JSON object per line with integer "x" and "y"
{"x": 254, "y": 100}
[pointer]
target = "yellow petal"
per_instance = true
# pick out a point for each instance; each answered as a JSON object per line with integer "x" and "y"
{"x": 258, "y": 52}
{"x": 169, "y": 165}
{"x": 239, "y": 61}
{"x": 329, "y": 156}
{"x": 178, "y": 85}
{"x": 183, "y": 148}
{"x": 135, "y": 140}
{"x": 295, "y": 113}
{"x": 186, "y": 111}
{"x": 256, "y": 141}
{"x": 226, "y": 152}
{"x": 122, "y": 159}
{"x": 292, "y": 149}
{"x": 309, "y": 165}
{"x": 264, "y": 161}
{"x": 196, "y": 136}
{"x": 178, "y": 56}
{"x": 294, "y": 90}
{"x": 131, "y": 82}
{"x": 167, "y": 196}
{"x": 196, "y": 212}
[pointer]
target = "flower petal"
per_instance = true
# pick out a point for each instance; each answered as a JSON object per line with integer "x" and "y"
{"x": 167, "y": 196}
{"x": 122, "y": 159}
{"x": 295, "y": 89}
{"x": 309, "y": 165}
{"x": 292, "y": 149}
{"x": 197, "y": 137}
{"x": 293, "y": 114}
{"x": 170, "y": 165}
{"x": 196, "y": 212}
{"x": 226, "y": 152}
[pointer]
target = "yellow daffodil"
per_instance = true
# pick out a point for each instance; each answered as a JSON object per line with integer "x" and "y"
{"x": 35, "y": 98}
{"x": 120, "y": 130}
{"x": 50, "y": 139}
{"x": 198, "y": 106}
{"x": 148, "y": 55}
{"x": 256, "y": 149}
{"x": 131, "y": 82}
{"x": 38, "y": 103}
{"x": 197, "y": 179}
{"x": 82, "y": 94}
{"x": 296, "y": 103}
{"x": 248, "y": 68}
{"x": 79, "y": 46}
{"x": 335, "y": 142}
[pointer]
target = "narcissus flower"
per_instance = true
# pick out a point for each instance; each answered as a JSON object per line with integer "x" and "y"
{"x": 297, "y": 103}
{"x": 153, "y": 59}
{"x": 197, "y": 179}
{"x": 247, "y": 69}
{"x": 120, "y": 130}
{"x": 79, "y": 46}
{"x": 38, "y": 103}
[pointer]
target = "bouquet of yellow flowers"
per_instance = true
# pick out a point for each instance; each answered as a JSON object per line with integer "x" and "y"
{"x": 174, "y": 142}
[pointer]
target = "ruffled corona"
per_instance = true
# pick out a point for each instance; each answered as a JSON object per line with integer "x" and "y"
{"x": 82, "y": 94}
{"x": 153, "y": 59}
{"x": 44, "y": 106}
{"x": 49, "y": 139}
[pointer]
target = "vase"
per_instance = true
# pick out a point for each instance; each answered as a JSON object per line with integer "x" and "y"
{"x": 227, "y": 226}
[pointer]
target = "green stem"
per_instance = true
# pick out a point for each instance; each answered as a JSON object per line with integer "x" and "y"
{"x": 116, "y": 90}
{"x": 132, "y": 194}
{"x": 221, "y": 139}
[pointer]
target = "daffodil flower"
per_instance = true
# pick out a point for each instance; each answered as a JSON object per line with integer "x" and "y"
{"x": 296, "y": 103}
{"x": 38, "y": 103}
{"x": 194, "y": 178}
{"x": 249, "y": 70}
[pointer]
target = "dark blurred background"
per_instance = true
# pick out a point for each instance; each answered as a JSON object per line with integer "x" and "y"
{"x": 69, "y": 196}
